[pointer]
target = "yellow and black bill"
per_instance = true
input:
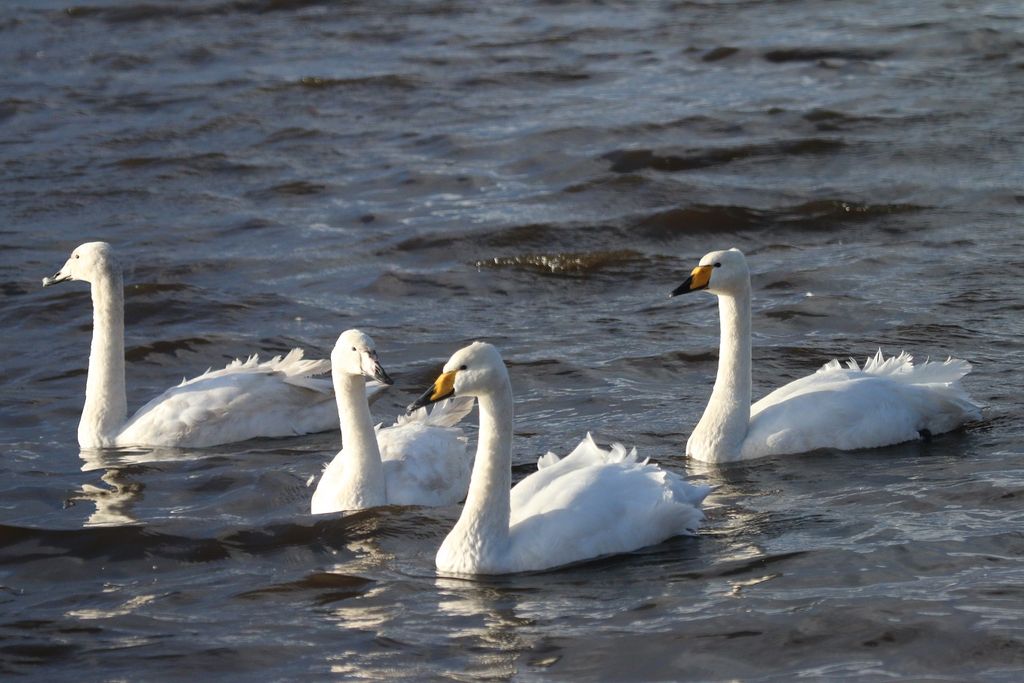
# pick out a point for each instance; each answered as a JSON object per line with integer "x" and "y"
{"x": 442, "y": 388}
{"x": 698, "y": 280}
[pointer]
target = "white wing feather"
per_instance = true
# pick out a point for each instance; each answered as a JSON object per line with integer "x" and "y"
{"x": 596, "y": 502}
{"x": 424, "y": 456}
{"x": 889, "y": 401}
{"x": 244, "y": 400}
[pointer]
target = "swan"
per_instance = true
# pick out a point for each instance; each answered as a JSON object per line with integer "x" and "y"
{"x": 420, "y": 460}
{"x": 591, "y": 503}
{"x": 246, "y": 399}
{"x": 887, "y": 401}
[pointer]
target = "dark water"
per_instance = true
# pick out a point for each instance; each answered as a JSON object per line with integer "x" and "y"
{"x": 539, "y": 175}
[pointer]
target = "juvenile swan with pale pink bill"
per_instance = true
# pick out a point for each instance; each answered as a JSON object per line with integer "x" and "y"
{"x": 280, "y": 397}
{"x": 420, "y": 460}
{"x": 888, "y": 401}
{"x": 591, "y": 503}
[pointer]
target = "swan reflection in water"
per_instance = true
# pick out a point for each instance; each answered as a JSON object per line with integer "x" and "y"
{"x": 121, "y": 466}
{"x": 113, "y": 502}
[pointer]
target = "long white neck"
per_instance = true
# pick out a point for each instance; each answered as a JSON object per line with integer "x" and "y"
{"x": 720, "y": 433}
{"x": 362, "y": 475}
{"x": 482, "y": 530}
{"x": 106, "y": 407}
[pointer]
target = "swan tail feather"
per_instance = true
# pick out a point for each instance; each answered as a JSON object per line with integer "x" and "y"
{"x": 547, "y": 460}
{"x": 903, "y": 369}
{"x": 448, "y": 413}
{"x": 682, "y": 490}
{"x": 951, "y": 406}
{"x": 294, "y": 365}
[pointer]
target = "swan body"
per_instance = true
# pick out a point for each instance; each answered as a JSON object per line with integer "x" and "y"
{"x": 887, "y": 401}
{"x": 420, "y": 460}
{"x": 279, "y": 397}
{"x": 591, "y": 503}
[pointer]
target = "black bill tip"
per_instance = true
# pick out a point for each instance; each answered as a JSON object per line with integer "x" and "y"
{"x": 423, "y": 400}
{"x": 381, "y": 376}
{"x": 684, "y": 288}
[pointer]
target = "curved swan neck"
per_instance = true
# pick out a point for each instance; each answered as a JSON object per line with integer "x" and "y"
{"x": 363, "y": 472}
{"x": 733, "y": 379}
{"x": 106, "y": 406}
{"x": 485, "y": 516}
{"x": 723, "y": 427}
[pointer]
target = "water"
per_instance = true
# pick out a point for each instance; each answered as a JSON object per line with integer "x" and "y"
{"x": 539, "y": 175}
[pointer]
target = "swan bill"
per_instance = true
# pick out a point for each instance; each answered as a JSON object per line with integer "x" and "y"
{"x": 381, "y": 375}
{"x": 369, "y": 364}
{"x": 59, "y": 276}
{"x": 698, "y": 280}
{"x": 442, "y": 388}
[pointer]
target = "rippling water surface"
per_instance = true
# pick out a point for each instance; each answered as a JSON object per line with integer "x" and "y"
{"x": 539, "y": 175}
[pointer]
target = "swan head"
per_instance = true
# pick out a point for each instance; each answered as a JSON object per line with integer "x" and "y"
{"x": 471, "y": 371}
{"x": 719, "y": 272}
{"x": 356, "y": 354}
{"x": 87, "y": 263}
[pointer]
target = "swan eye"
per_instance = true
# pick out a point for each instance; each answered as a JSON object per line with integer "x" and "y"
{"x": 77, "y": 255}
{"x": 353, "y": 348}
{"x": 718, "y": 265}
{"x": 463, "y": 367}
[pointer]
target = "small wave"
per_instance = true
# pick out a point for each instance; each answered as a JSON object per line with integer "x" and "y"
{"x": 328, "y": 587}
{"x": 700, "y": 218}
{"x": 67, "y": 374}
{"x": 655, "y": 366}
{"x": 531, "y": 234}
{"x": 535, "y": 234}
{"x": 814, "y": 54}
{"x": 836, "y": 119}
{"x": 131, "y": 542}
{"x": 719, "y": 53}
{"x": 180, "y": 11}
{"x": 922, "y": 335}
{"x": 14, "y": 289}
{"x": 740, "y": 567}
{"x": 120, "y": 61}
{"x": 292, "y": 133}
{"x": 295, "y": 188}
{"x": 114, "y": 543}
{"x": 788, "y": 314}
{"x": 397, "y": 284}
{"x": 384, "y": 81}
{"x": 627, "y": 182}
{"x": 628, "y": 161}
{"x": 164, "y": 348}
{"x": 133, "y": 13}
{"x": 822, "y": 214}
{"x": 144, "y": 288}
{"x": 12, "y": 106}
{"x": 564, "y": 263}
{"x": 180, "y": 308}
{"x": 519, "y": 78}
{"x": 140, "y": 101}
{"x": 843, "y": 210}
{"x": 213, "y": 162}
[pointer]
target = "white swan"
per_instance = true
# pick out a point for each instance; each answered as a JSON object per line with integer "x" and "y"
{"x": 588, "y": 504}
{"x": 885, "y": 402}
{"x": 420, "y": 460}
{"x": 279, "y": 397}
